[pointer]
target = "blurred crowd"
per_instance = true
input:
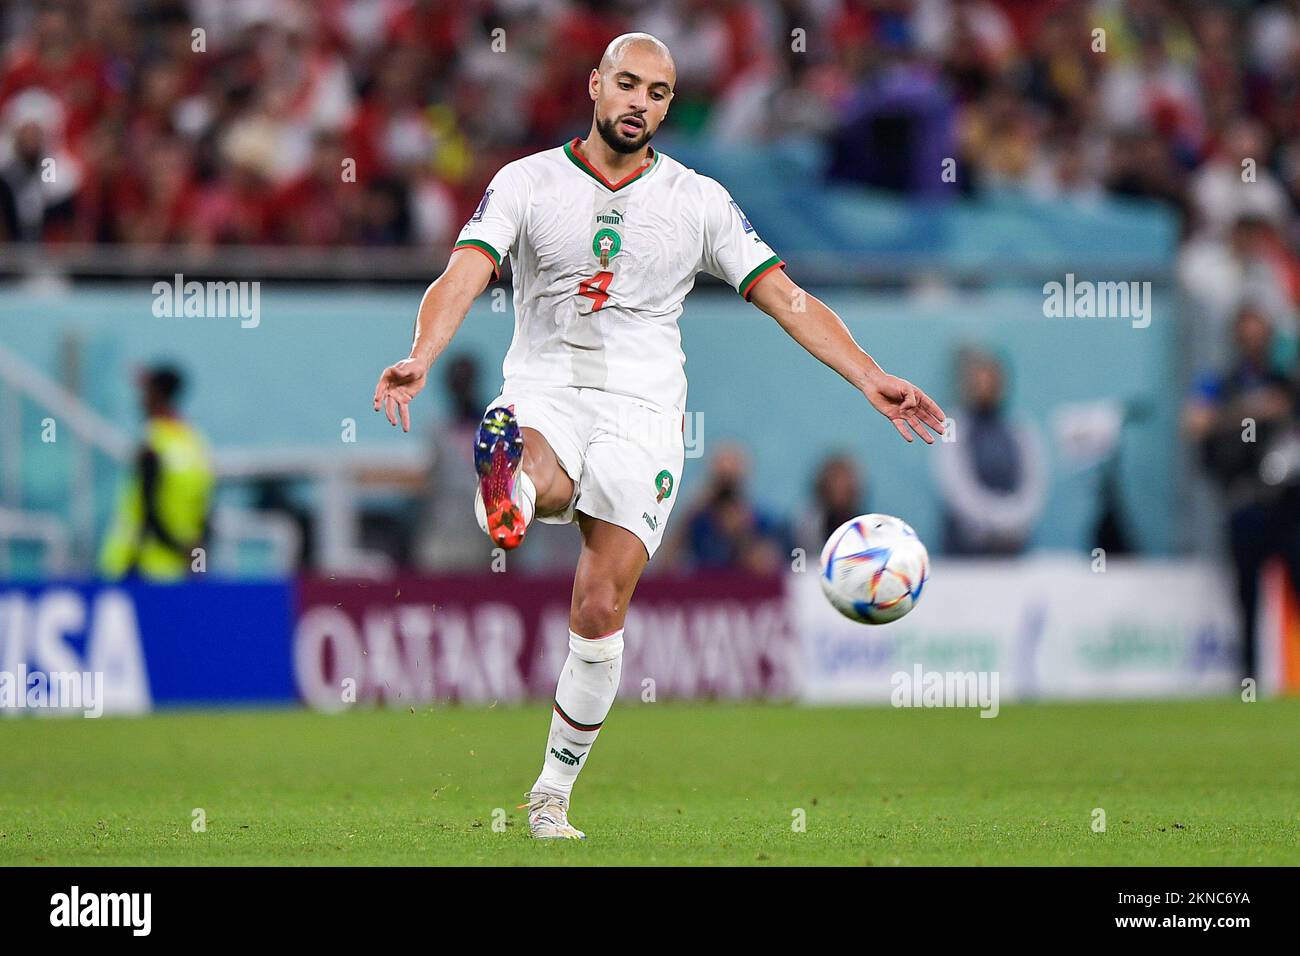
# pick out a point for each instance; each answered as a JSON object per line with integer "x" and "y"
{"x": 377, "y": 122}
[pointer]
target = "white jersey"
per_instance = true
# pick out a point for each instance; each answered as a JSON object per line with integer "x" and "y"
{"x": 601, "y": 269}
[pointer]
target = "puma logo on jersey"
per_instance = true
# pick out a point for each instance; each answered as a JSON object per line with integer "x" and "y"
{"x": 652, "y": 521}
{"x": 611, "y": 218}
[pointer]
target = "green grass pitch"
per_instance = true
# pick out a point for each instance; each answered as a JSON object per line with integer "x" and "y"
{"x": 1208, "y": 782}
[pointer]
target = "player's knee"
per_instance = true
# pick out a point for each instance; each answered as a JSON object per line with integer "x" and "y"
{"x": 598, "y": 611}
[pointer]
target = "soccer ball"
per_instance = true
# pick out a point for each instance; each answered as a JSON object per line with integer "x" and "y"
{"x": 873, "y": 569}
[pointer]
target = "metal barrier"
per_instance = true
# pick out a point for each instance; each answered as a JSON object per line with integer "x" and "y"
{"x": 70, "y": 540}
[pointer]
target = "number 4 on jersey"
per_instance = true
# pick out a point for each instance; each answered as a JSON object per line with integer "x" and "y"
{"x": 596, "y": 289}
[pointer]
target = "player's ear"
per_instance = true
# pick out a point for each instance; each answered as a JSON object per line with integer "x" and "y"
{"x": 593, "y": 85}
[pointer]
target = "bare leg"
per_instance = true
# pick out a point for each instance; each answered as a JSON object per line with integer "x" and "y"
{"x": 554, "y": 486}
{"x": 609, "y": 567}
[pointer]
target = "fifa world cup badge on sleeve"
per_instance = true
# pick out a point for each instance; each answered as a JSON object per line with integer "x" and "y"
{"x": 744, "y": 220}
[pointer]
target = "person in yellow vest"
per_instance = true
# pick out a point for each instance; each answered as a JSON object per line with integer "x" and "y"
{"x": 163, "y": 512}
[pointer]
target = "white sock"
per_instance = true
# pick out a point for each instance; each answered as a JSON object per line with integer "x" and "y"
{"x": 586, "y": 690}
{"x": 525, "y": 497}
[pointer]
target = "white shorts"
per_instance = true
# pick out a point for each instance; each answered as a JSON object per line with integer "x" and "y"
{"x": 624, "y": 456}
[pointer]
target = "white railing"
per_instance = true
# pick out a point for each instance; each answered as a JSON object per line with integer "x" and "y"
{"x": 44, "y": 529}
{"x": 338, "y": 476}
{"x": 70, "y": 543}
{"x": 92, "y": 431}
{"x": 233, "y": 527}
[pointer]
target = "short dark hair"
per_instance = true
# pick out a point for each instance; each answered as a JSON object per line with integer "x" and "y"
{"x": 166, "y": 381}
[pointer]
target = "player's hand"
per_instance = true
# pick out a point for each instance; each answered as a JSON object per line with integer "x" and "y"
{"x": 397, "y": 386}
{"x": 906, "y": 406}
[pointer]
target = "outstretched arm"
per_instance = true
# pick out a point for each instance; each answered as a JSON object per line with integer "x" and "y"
{"x": 819, "y": 330}
{"x": 442, "y": 310}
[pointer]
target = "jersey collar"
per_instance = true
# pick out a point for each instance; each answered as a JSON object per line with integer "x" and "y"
{"x": 570, "y": 150}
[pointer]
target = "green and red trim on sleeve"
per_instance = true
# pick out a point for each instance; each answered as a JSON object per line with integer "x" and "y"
{"x": 480, "y": 246}
{"x": 747, "y": 284}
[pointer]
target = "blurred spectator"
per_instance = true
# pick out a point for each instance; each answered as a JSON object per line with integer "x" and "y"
{"x": 163, "y": 512}
{"x": 1141, "y": 167}
{"x": 1065, "y": 170}
{"x": 38, "y": 178}
{"x": 54, "y": 55}
{"x": 725, "y": 529}
{"x": 1251, "y": 268}
{"x": 1235, "y": 183}
{"x": 1000, "y": 141}
{"x": 837, "y": 497}
{"x": 1236, "y": 417}
{"x": 992, "y": 474}
{"x": 318, "y": 207}
{"x": 896, "y": 131}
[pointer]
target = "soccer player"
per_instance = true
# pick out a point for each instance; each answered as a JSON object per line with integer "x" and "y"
{"x": 607, "y": 235}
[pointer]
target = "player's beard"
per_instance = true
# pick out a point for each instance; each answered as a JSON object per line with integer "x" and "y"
{"x": 614, "y": 138}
